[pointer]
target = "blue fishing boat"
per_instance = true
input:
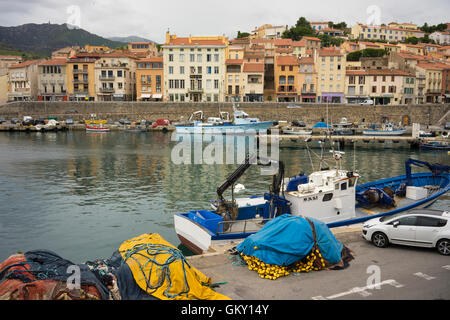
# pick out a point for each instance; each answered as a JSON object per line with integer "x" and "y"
{"x": 386, "y": 130}
{"x": 332, "y": 196}
{"x": 241, "y": 123}
{"x": 435, "y": 145}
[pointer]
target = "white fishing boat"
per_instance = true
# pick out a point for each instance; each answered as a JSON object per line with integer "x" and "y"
{"x": 332, "y": 196}
{"x": 96, "y": 128}
{"x": 241, "y": 123}
{"x": 297, "y": 131}
{"x": 386, "y": 130}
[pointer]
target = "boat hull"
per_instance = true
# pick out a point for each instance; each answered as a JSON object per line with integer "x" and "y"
{"x": 383, "y": 133}
{"x": 225, "y": 129}
{"x": 198, "y": 239}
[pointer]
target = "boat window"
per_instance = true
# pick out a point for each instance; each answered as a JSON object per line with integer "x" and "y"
{"x": 351, "y": 182}
{"x": 327, "y": 197}
{"x": 344, "y": 186}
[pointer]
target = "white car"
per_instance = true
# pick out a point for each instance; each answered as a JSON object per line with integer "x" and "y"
{"x": 420, "y": 228}
{"x": 367, "y": 103}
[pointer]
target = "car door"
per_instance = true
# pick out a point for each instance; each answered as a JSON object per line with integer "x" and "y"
{"x": 404, "y": 232}
{"x": 427, "y": 229}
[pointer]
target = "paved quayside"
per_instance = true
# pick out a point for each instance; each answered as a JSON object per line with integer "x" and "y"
{"x": 404, "y": 273}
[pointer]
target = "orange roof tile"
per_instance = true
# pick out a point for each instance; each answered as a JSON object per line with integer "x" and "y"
{"x": 23, "y": 64}
{"x": 253, "y": 67}
{"x": 152, "y": 59}
{"x": 307, "y": 60}
{"x": 311, "y": 38}
{"x": 234, "y": 61}
{"x": 328, "y": 52}
{"x": 299, "y": 43}
{"x": 287, "y": 60}
{"x": 191, "y": 42}
{"x": 283, "y": 42}
{"x": 54, "y": 62}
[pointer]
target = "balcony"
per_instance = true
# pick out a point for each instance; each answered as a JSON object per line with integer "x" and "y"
{"x": 107, "y": 90}
{"x": 80, "y": 71}
{"x": 81, "y": 91}
{"x": 434, "y": 91}
{"x": 80, "y": 80}
{"x": 106, "y": 78}
{"x": 195, "y": 90}
{"x": 286, "y": 89}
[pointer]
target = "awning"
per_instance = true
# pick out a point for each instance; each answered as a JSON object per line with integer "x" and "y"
{"x": 308, "y": 97}
{"x": 157, "y": 96}
{"x": 146, "y": 96}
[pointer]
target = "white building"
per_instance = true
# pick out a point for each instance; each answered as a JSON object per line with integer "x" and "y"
{"x": 194, "y": 68}
{"x": 441, "y": 37}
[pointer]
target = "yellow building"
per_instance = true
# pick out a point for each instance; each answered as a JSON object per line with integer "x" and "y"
{"x": 3, "y": 88}
{"x": 307, "y": 80}
{"x": 286, "y": 78}
{"x": 98, "y": 49}
{"x": 330, "y": 66}
{"x": 81, "y": 77}
{"x": 150, "y": 79}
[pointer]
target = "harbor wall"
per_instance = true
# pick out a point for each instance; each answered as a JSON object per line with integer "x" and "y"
{"x": 428, "y": 114}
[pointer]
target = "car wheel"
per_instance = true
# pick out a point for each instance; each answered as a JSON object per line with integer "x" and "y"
{"x": 380, "y": 240}
{"x": 443, "y": 247}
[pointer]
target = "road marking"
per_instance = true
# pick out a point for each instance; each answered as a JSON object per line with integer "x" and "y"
{"x": 423, "y": 275}
{"x": 361, "y": 291}
{"x": 446, "y": 267}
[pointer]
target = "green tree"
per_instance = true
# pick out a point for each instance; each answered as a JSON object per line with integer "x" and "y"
{"x": 302, "y": 28}
{"x": 369, "y": 52}
{"x": 328, "y": 41}
{"x": 242, "y": 34}
{"x": 412, "y": 40}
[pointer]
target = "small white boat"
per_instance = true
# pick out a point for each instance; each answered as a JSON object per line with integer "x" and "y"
{"x": 96, "y": 128}
{"x": 241, "y": 124}
{"x": 299, "y": 132}
{"x": 386, "y": 130}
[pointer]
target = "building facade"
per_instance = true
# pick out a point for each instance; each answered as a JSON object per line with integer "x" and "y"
{"x": 52, "y": 80}
{"x": 81, "y": 77}
{"x": 23, "y": 81}
{"x": 115, "y": 77}
{"x": 286, "y": 78}
{"x": 150, "y": 79}
{"x": 194, "y": 68}
{"x": 330, "y": 66}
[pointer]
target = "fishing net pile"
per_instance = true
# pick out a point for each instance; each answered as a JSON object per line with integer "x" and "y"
{"x": 143, "y": 268}
{"x": 289, "y": 244}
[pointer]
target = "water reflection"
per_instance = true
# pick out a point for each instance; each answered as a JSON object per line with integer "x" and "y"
{"x": 82, "y": 194}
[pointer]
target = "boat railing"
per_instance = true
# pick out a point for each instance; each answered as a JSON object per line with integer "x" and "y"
{"x": 243, "y": 226}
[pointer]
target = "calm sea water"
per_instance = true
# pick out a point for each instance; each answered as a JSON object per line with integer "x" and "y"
{"x": 81, "y": 195}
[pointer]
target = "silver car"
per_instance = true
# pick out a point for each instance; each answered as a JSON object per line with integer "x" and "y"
{"x": 419, "y": 228}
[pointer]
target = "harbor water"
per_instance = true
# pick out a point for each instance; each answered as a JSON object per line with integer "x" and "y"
{"x": 81, "y": 195}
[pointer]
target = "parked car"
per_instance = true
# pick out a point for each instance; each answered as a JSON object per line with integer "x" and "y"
{"x": 367, "y": 102}
{"x": 293, "y": 106}
{"x": 124, "y": 121}
{"x": 420, "y": 228}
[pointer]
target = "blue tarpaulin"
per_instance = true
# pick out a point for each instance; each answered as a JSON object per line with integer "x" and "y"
{"x": 321, "y": 125}
{"x": 288, "y": 239}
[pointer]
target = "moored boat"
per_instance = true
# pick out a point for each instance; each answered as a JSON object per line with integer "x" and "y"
{"x": 331, "y": 196}
{"x": 435, "y": 145}
{"x": 386, "y": 130}
{"x": 96, "y": 128}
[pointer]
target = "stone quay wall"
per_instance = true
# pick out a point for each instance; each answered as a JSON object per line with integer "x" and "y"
{"x": 427, "y": 114}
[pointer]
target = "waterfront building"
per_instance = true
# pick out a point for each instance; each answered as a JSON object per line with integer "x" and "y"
{"x": 286, "y": 78}
{"x": 115, "y": 77}
{"x": 150, "y": 79}
{"x": 6, "y": 61}
{"x": 330, "y": 66}
{"x": 81, "y": 77}
{"x": 307, "y": 80}
{"x": 194, "y": 68}
{"x": 234, "y": 77}
{"x": 253, "y": 74}
{"x": 3, "y": 88}
{"x": 23, "y": 81}
{"x": 52, "y": 80}
{"x": 435, "y": 84}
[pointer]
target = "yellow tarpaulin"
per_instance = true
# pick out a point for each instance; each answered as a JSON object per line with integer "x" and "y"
{"x": 161, "y": 270}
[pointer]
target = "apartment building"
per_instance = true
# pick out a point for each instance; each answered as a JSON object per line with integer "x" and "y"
{"x": 319, "y": 25}
{"x": 442, "y": 38}
{"x": 299, "y": 48}
{"x": 6, "y": 61}
{"x": 433, "y": 74}
{"x": 268, "y": 31}
{"x": 330, "y": 66}
{"x": 23, "y": 81}
{"x": 66, "y": 52}
{"x": 307, "y": 80}
{"x": 312, "y": 43}
{"x": 147, "y": 49}
{"x": 81, "y": 77}
{"x": 194, "y": 68}
{"x": 3, "y": 88}
{"x": 115, "y": 77}
{"x": 52, "y": 80}
{"x": 286, "y": 78}
{"x": 150, "y": 79}
{"x": 367, "y": 32}
{"x": 253, "y": 74}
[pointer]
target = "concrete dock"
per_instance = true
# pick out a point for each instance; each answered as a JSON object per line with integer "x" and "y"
{"x": 398, "y": 267}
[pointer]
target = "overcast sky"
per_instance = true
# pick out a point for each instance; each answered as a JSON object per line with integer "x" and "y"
{"x": 151, "y": 19}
